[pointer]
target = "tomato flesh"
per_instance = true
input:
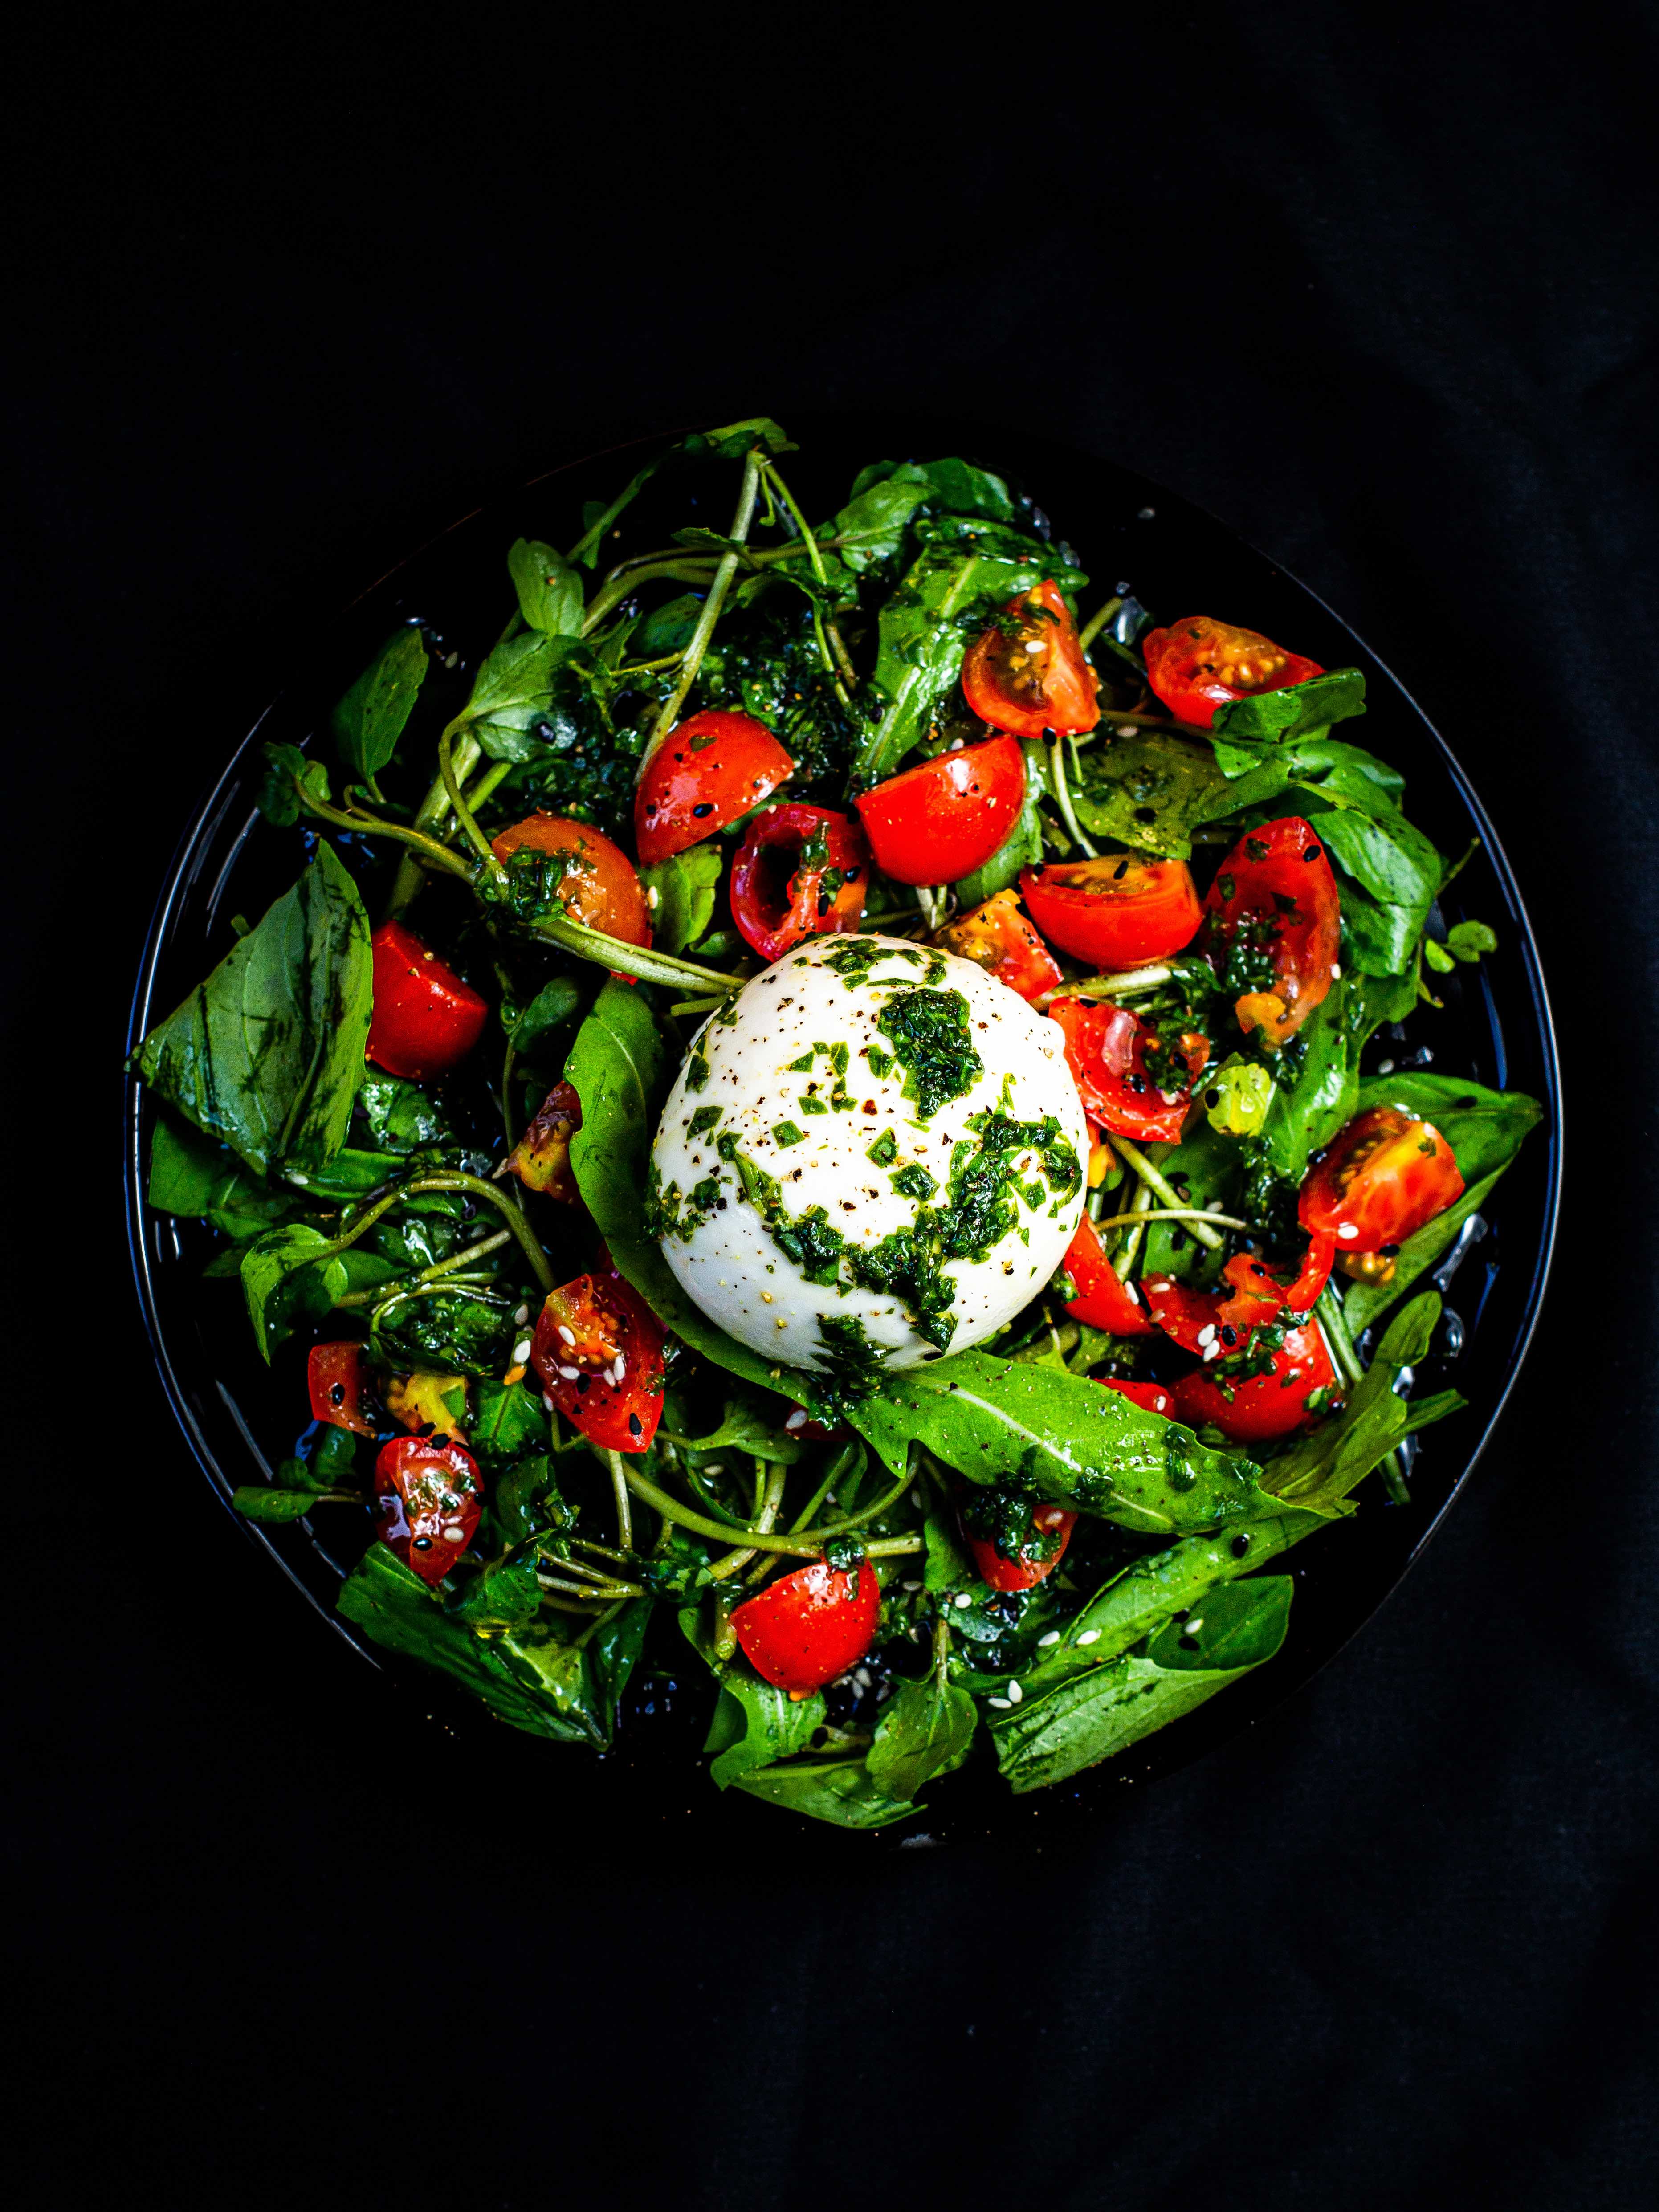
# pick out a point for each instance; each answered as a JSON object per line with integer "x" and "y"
{"x": 1264, "y": 1405}
{"x": 1102, "y": 1300}
{"x": 1274, "y": 903}
{"x": 597, "y": 1350}
{"x": 941, "y": 820}
{"x": 428, "y": 1499}
{"x": 1115, "y": 911}
{"x": 1052, "y": 1524}
{"x": 1385, "y": 1175}
{"x": 541, "y": 1158}
{"x": 337, "y": 1377}
{"x": 1151, "y": 1397}
{"x": 707, "y": 772}
{"x": 1106, "y": 1049}
{"x": 1026, "y": 674}
{"x": 808, "y": 1628}
{"x": 425, "y": 1020}
{"x": 598, "y": 885}
{"x": 1199, "y": 664}
{"x": 800, "y": 872}
{"x": 997, "y": 937}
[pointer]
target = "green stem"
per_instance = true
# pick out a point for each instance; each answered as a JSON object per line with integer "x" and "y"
{"x": 839, "y": 666}
{"x": 669, "y": 711}
{"x": 383, "y": 1293}
{"x": 463, "y": 813}
{"x": 613, "y": 1460}
{"x": 840, "y": 1467}
{"x": 1151, "y": 1176}
{"x": 497, "y": 772}
{"x": 623, "y": 584}
{"x": 632, "y": 959}
{"x": 375, "y": 825}
{"x": 1335, "y": 1321}
{"x": 1141, "y": 1219}
{"x": 1062, "y": 793}
{"x": 478, "y": 1188}
{"x": 1097, "y": 622}
{"x": 433, "y": 810}
{"x": 765, "y": 1518}
{"x": 1108, "y": 986}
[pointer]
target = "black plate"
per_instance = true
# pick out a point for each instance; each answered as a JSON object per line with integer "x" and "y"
{"x": 239, "y": 1419}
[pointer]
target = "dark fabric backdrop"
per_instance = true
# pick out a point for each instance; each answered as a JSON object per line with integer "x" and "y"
{"x": 285, "y": 295}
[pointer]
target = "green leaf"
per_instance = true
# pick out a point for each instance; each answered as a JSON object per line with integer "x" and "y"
{"x": 1277, "y": 717}
{"x": 1321, "y": 1467}
{"x": 1400, "y": 871}
{"x": 547, "y": 1012}
{"x": 748, "y": 1427}
{"x": 504, "y": 1594}
{"x": 668, "y": 628}
{"x": 268, "y": 1053}
{"x": 949, "y": 1566}
{"x": 513, "y": 691}
{"x": 1485, "y": 1128}
{"x": 736, "y": 440}
{"x": 255, "y": 1504}
{"x": 926, "y": 1729}
{"x": 1152, "y": 790}
{"x": 1307, "y": 1112}
{"x": 369, "y": 720}
{"x": 1438, "y": 957}
{"x": 952, "y": 484}
{"x": 286, "y": 771}
{"x": 510, "y": 1421}
{"x": 453, "y": 1330}
{"x": 291, "y": 1275}
{"x": 549, "y": 590}
{"x": 840, "y": 1791}
{"x": 685, "y": 884}
{"x": 400, "y": 1115}
{"x": 755, "y": 1723}
{"x": 872, "y": 526}
{"x": 191, "y": 1175}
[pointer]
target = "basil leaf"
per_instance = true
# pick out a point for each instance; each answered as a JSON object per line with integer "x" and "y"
{"x": 1152, "y": 790}
{"x": 685, "y": 884}
{"x": 548, "y": 1010}
{"x": 510, "y": 1421}
{"x": 286, "y": 770}
{"x": 926, "y": 1729}
{"x": 950, "y": 482}
{"x": 870, "y": 527}
{"x": 369, "y": 720}
{"x": 1276, "y": 717}
{"x": 503, "y": 1594}
{"x": 842, "y": 1791}
{"x": 400, "y": 1115}
{"x": 549, "y": 590}
{"x": 290, "y": 1276}
{"x": 513, "y": 690}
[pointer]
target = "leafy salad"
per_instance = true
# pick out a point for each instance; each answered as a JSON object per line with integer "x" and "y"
{"x": 807, "y": 1119}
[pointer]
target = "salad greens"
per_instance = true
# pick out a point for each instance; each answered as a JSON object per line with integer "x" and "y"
{"x": 416, "y": 1234}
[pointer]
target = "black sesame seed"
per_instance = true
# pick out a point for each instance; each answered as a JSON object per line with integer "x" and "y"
{"x": 1313, "y": 852}
{"x": 703, "y": 807}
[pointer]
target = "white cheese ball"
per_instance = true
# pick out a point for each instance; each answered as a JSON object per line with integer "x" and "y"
{"x": 769, "y": 1132}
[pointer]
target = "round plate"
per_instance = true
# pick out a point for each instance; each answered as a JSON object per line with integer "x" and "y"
{"x": 239, "y": 1420}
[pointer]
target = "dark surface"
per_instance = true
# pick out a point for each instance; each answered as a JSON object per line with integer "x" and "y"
{"x": 1382, "y": 299}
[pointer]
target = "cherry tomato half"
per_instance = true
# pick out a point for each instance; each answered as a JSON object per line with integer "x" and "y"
{"x": 1198, "y": 1319}
{"x": 1115, "y": 911}
{"x": 806, "y": 1628}
{"x": 998, "y": 938}
{"x": 338, "y": 1379}
{"x": 1040, "y": 1553}
{"x": 427, "y": 1497}
{"x": 1382, "y": 1178}
{"x": 1027, "y": 674}
{"x": 598, "y": 1351}
{"x": 1198, "y": 664}
{"x": 1264, "y": 1405}
{"x": 541, "y": 1158}
{"x": 425, "y": 1020}
{"x": 705, "y": 772}
{"x": 1103, "y": 1301}
{"x": 1151, "y": 1397}
{"x": 1274, "y": 920}
{"x": 597, "y": 886}
{"x": 1106, "y": 1048}
{"x": 800, "y": 872}
{"x": 938, "y": 821}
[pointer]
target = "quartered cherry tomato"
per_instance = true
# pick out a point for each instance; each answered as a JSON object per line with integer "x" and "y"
{"x": 806, "y": 1628}
{"x": 1027, "y": 674}
{"x": 598, "y": 885}
{"x": 800, "y": 872}
{"x": 1264, "y": 1405}
{"x": 1382, "y": 1178}
{"x": 705, "y": 772}
{"x": 1198, "y": 664}
{"x": 1106, "y": 1048}
{"x": 598, "y": 1351}
{"x": 1102, "y": 1300}
{"x": 427, "y": 1497}
{"x": 1151, "y": 1397}
{"x": 541, "y": 1158}
{"x": 997, "y": 937}
{"x": 338, "y": 1378}
{"x": 1196, "y": 1320}
{"x": 425, "y": 1020}
{"x": 939, "y": 822}
{"x": 1115, "y": 911}
{"x": 1274, "y": 920}
{"x": 1042, "y": 1553}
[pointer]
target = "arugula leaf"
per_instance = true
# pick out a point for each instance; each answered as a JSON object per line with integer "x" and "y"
{"x": 871, "y": 525}
{"x": 1307, "y": 1113}
{"x": 842, "y": 1791}
{"x": 735, "y": 441}
{"x": 290, "y": 1276}
{"x": 748, "y": 1427}
{"x": 685, "y": 884}
{"x": 509, "y": 1422}
{"x": 1318, "y": 1470}
{"x": 268, "y": 1053}
{"x": 1297, "y": 711}
{"x": 369, "y": 720}
{"x": 547, "y": 1012}
{"x": 549, "y": 589}
{"x": 926, "y": 1729}
{"x": 755, "y": 1723}
{"x": 1398, "y": 868}
{"x": 953, "y": 484}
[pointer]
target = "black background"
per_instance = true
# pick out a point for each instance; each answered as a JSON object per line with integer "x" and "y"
{"x": 284, "y": 297}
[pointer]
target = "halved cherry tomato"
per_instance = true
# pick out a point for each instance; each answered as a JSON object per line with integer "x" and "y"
{"x": 998, "y": 938}
{"x": 1027, "y": 674}
{"x": 1270, "y": 1404}
{"x": 806, "y": 1628}
{"x": 425, "y": 1020}
{"x": 1151, "y": 1397}
{"x": 1115, "y": 911}
{"x": 598, "y": 1351}
{"x": 541, "y": 1158}
{"x": 1382, "y": 1179}
{"x": 1274, "y": 902}
{"x": 1106, "y": 1049}
{"x": 705, "y": 772}
{"x": 940, "y": 820}
{"x": 427, "y": 1503}
{"x": 1038, "y": 1557}
{"x": 599, "y": 886}
{"x": 800, "y": 872}
{"x": 1255, "y": 1294}
{"x": 338, "y": 1379}
{"x": 1198, "y": 664}
{"x": 1103, "y": 1301}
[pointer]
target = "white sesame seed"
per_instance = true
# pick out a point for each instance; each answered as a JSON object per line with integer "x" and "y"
{"x": 521, "y": 1352}
{"x": 1212, "y": 1351}
{"x": 1001, "y": 1704}
{"x": 1089, "y": 1636}
{"x": 1015, "y": 1693}
{"x": 1052, "y": 1636}
{"x": 910, "y": 1586}
{"x": 569, "y": 1374}
{"x": 1206, "y": 1334}
{"x": 797, "y": 1419}
{"x": 1336, "y": 970}
{"x": 653, "y": 897}
{"x": 1385, "y": 1068}
{"x": 569, "y": 1335}
{"x": 1126, "y": 729}
{"x": 520, "y": 1315}
{"x": 1193, "y": 1627}
{"x": 1346, "y": 1231}
{"x": 964, "y": 1598}
{"x": 547, "y": 1401}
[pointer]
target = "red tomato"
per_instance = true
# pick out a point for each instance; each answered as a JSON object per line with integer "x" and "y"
{"x": 599, "y": 886}
{"x": 541, "y": 1158}
{"x": 1102, "y": 1300}
{"x": 706, "y": 772}
{"x": 1032, "y": 1567}
{"x": 427, "y": 1503}
{"x": 1106, "y": 1049}
{"x": 1275, "y": 889}
{"x": 998, "y": 938}
{"x": 940, "y": 820}
{"x": 1115, "y": 911}
{"x": 1197, "y": 1319}
{"x": 425, "y": 1020}
{"x": 783, "y": 879}
{"x": 806, "y": 1628}
{"x": 1151, "y": 1397}
{"x": 1265, "y": 1405}
{"x": 1198, "y": 664}
{"x": 598, "y": 1351}
{"x": 1384, "y": 1178}
{"x": 338, "y": 1381}
{"x": 1027, "y": 674}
